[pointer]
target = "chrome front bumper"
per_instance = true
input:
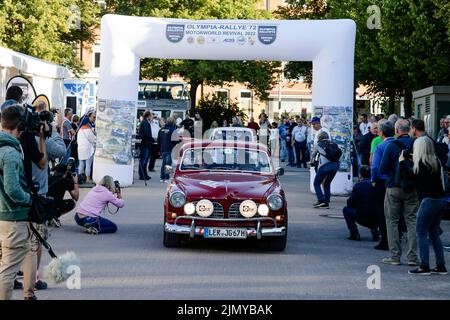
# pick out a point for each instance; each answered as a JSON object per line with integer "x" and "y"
{"x": 257, "y": 232}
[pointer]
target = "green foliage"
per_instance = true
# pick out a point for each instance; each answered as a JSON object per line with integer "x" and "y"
{"x": 256, "y": 75}
{"x": 40, "y": 28}
{"x": 408, "y": 53}
{"x": 214, "y": 108}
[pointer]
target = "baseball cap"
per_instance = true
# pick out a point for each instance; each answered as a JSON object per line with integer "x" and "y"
{"x": 315, "y": 119}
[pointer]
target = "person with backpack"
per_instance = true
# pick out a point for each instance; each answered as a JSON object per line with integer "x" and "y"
{"x": 327, "y": 155}
{"x": 15, "y": 201}
{"x": 401, "y": 196}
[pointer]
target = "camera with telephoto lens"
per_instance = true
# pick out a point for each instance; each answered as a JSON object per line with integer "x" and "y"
{"x": 117, "y": 185}
{"x": 33, "y": 121}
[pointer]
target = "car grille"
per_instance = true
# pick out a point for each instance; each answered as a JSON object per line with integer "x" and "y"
{"x": 218, "y": 210}
{"x": 233, "y": 211}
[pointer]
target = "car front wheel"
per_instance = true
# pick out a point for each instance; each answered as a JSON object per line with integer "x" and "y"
{"x": 171, "y": 240}
{"x": 277, "y": 243}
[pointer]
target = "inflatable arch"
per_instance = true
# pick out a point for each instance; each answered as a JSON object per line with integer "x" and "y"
{"x": 329, "y": 44}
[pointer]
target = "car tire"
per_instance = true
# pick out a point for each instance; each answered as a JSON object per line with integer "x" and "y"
{"x": 171, "y": 240}
{"x": 277, "y": 243}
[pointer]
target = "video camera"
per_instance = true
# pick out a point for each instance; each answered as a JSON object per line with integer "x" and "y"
{"x": 33, "y": 121}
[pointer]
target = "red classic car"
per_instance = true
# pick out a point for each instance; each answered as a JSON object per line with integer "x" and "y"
{"x": 225, "y": 190}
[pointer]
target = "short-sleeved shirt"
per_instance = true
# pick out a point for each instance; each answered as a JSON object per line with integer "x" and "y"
{"x": 58, "y": 185}
{"x": 375, "y": 142}
{"x": 67, "y": 126}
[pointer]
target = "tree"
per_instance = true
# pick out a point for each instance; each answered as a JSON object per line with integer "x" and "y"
{"x": 406, "y": 54}
{"x": 256, "y": 75}
{"x": 214, "y": 108}
{"x": 48, "y": 29}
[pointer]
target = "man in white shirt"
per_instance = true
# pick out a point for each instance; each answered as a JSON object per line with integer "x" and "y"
{"x": 299, "y": 139}
{"x": 154, "y": 124}
{"x": 364, "y": 125}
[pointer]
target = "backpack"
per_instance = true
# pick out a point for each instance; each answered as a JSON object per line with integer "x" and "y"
{"x": 404, "y": 178}
{"x": 332, "y": 150}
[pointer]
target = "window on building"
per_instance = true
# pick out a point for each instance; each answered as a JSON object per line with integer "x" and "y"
{"x": 223, "y": 93}
{"x": 97, "y": 60}
{"x": 245, "y": 102}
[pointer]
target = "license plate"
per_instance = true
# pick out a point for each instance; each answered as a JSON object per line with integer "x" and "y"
{"x": 225, "y": 233}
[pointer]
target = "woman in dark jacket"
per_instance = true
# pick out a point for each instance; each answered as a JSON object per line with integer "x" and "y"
{"x": 426, "y": 171}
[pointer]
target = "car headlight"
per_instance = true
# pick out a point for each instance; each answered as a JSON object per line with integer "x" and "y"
{"x": 263, "y": 210}
{"x": 189, "y": 208}
{"x": 275, "y": 202}
{"x": 177, "y": 199}
{"x": 248, "y": 208}
{"x": 204, "y": 208}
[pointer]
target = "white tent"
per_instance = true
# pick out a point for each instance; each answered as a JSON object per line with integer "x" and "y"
{"x": 47, "y": 78}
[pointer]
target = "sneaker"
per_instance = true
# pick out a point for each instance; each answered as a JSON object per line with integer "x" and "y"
{"x": 439, "y": 270}
{"x": 54, "y": 223}
{"x": 420, "y": 271}
{"x": 18, "y": 285}
{"x": 381, "y": 246}
{"x": 161, "y": 180}
{"x": 391, "y": 261}
{"x": 323, "y": 205}
{"x": 315, "y": 205}
{"x": 413, "y": 263}
{"x": 40, "y": 285}
{"x": 91, "y": 230}
{"x": 355, "y": 237}
{"x": 19, "y": 274}
{"x": 447, "y": 248}
{"x": 30, "y": 298}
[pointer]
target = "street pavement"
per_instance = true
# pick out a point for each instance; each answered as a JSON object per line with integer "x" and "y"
{"x": 318, "y": 263}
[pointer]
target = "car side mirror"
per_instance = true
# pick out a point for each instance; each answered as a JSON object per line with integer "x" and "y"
{"x": 168, "y": 169}
{"x": 280, "y": 172}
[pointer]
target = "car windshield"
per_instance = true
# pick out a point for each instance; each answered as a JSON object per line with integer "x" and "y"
{"x": 242, "y": 159}
{"x": 229, "y": 134}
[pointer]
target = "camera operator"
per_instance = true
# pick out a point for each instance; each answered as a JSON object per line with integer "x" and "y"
{"x": 96, "y": 201}
{"x": 54, "y": 148}
{"x": 64, "y": 180}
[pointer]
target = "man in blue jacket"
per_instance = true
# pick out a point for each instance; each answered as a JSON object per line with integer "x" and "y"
{"x": 166, "y": 141}
{"x": 397, "y": 201}
{"x": 359, "y": 207}
{"x": 15, "y": 202}
{"x": 282, "y": 131}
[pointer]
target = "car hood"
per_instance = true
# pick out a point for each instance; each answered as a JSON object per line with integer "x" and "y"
{"x": 226, "y": 185}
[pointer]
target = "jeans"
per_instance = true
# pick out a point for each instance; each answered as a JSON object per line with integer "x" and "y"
{"x": 166, "y": 161}
{"x": 101, "y": 224}
{"x": 145, "y": 156}
{"x": 300, "y": 153}
{"x": 85, "y": 166}
{"x": 379, "y": 192}
{"x": 325, "y": 174}
{"x": 290, "y": 154}
{"x": 428, "y": 224}
{"x": 399, "y": 203}
{"x": 283, "y": 150}
{"x": 66, "y": 157}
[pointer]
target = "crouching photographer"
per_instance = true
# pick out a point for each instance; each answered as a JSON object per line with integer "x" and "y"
{"x": 89, "y": 212}
{"x": 64, "y": 180}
